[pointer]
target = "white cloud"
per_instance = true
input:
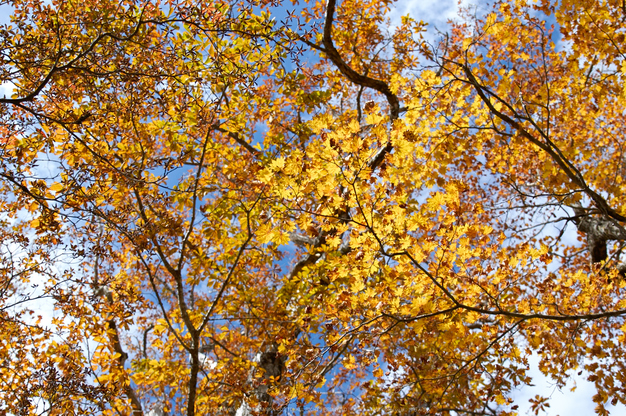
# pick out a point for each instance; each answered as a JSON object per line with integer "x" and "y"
{"x": 6, "y": 89}
{"x": 563, "y": 401}
{"x": 436, "y": 13}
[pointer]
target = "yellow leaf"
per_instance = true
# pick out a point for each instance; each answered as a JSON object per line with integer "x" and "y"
{"x": 56, "y": 187}
{"x": 349, "y": 362}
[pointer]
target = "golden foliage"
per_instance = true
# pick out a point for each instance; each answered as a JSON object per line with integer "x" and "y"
{"x": 226, "y": 207}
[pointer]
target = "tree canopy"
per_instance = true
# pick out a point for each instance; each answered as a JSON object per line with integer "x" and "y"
{"x": 242, "y": 207}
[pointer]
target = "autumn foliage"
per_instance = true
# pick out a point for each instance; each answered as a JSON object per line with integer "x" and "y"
{"x": 253, "y": 207}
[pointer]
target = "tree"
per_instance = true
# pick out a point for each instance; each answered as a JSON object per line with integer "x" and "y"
{"x": 238, "y": 213}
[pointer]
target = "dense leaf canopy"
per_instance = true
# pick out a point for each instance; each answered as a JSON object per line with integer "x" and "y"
{"x": 254, "y": 207}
